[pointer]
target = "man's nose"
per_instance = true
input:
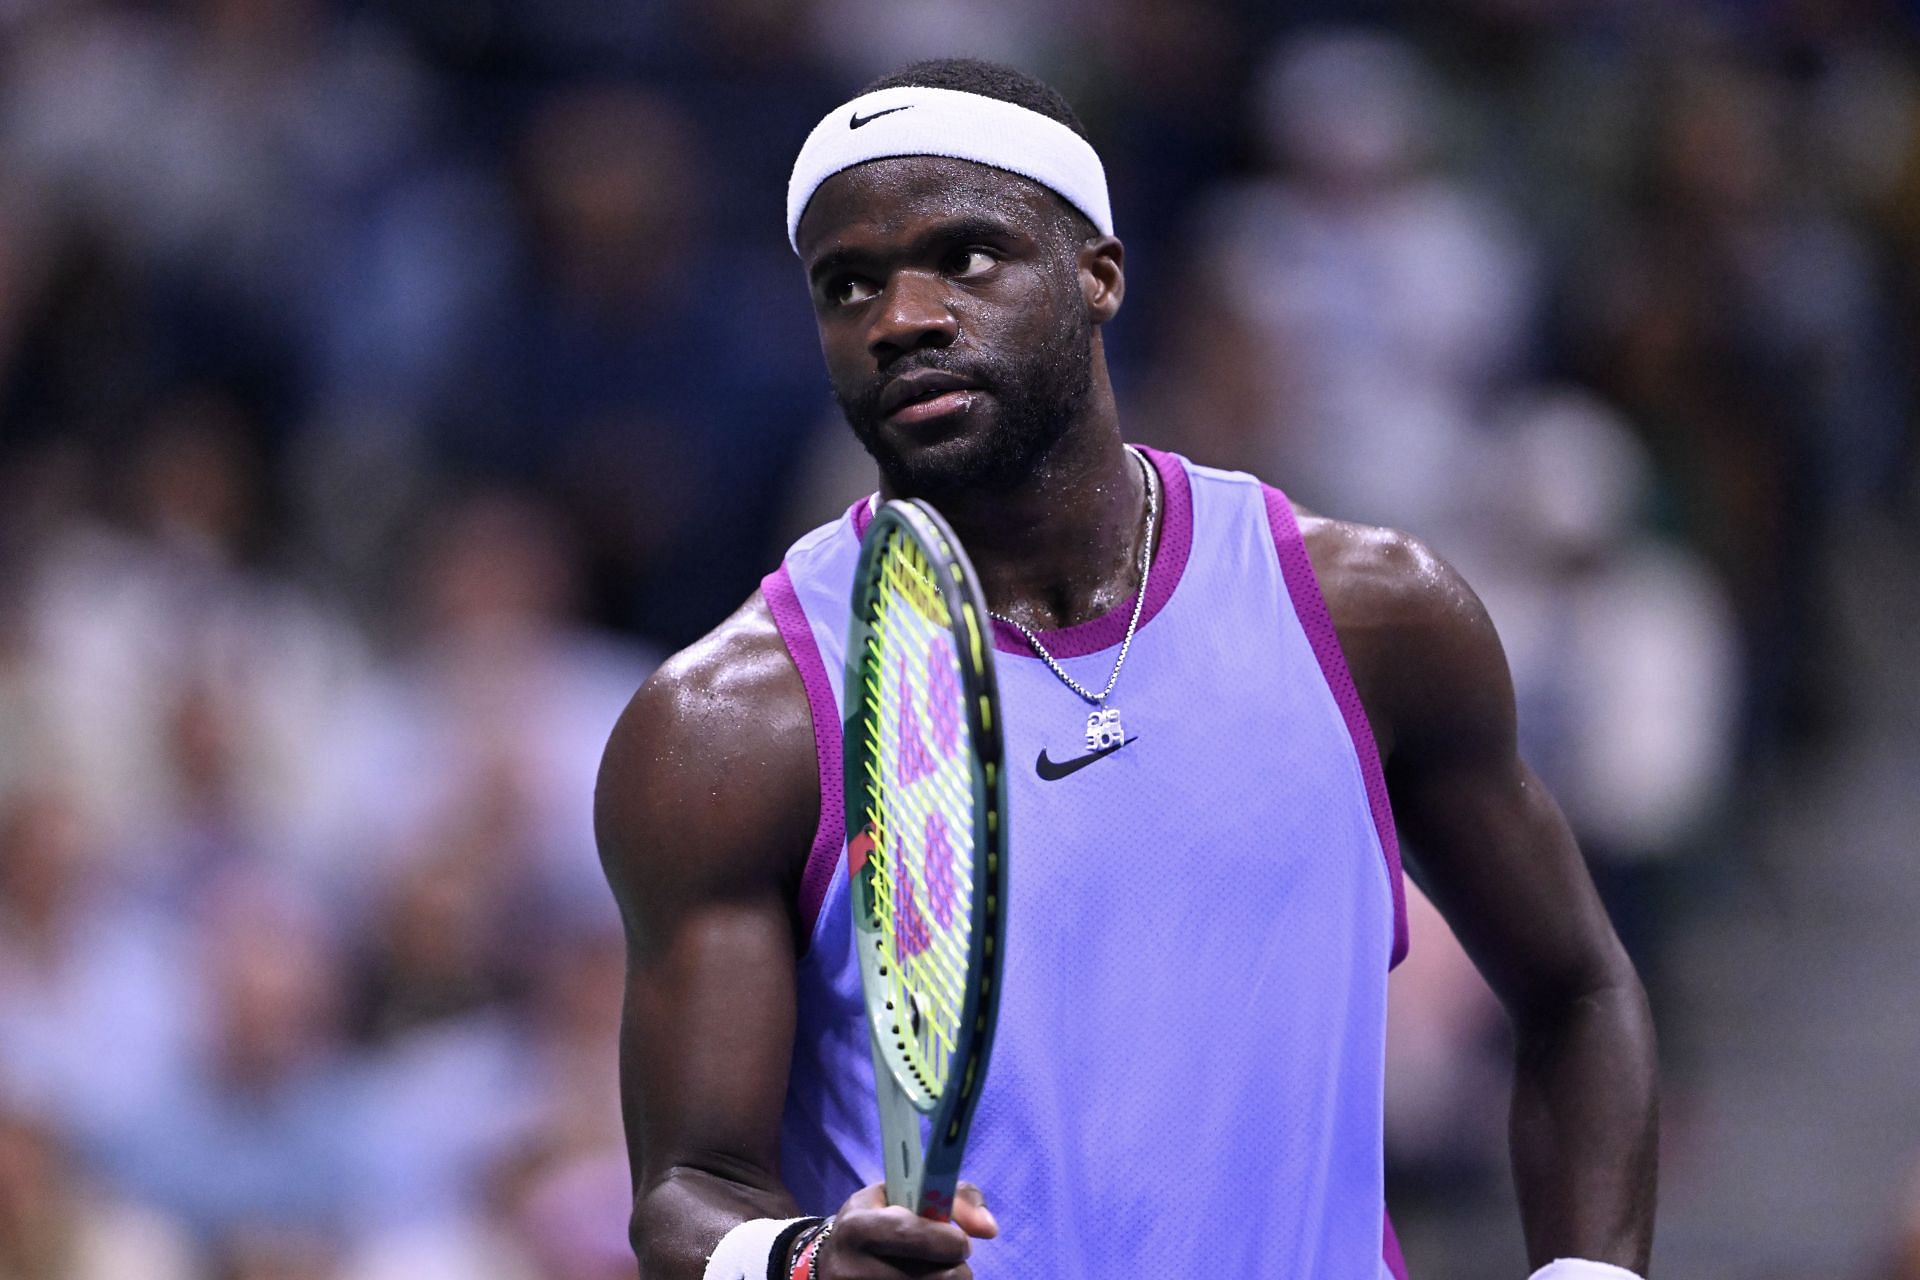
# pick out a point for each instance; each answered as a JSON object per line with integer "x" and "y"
{"x": 913, "y": 313}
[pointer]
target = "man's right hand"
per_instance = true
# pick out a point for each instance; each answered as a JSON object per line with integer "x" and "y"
{"x": 873, "y": 1240}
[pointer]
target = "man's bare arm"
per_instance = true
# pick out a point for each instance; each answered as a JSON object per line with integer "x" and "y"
{"x": 707, "y": 801}
{"x": 1501, "y": 864}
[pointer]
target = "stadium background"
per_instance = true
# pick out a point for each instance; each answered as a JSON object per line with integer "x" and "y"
{"x": 384, "y": 386}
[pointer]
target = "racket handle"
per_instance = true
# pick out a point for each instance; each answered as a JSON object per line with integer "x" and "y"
{"x": 935, "y": 1206}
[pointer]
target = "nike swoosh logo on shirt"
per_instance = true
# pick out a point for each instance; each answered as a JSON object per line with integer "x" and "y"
{"x": 857, "y": 119}
{"x": 1054, "y": 770}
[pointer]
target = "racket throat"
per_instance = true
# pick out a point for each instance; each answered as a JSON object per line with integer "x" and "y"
{"x": 899, "y": 1134}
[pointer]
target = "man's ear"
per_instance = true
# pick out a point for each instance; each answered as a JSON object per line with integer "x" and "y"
{"x": 1103, "y": 277}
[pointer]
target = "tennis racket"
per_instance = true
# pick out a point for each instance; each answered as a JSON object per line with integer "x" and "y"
{"x": 926, "y": 840}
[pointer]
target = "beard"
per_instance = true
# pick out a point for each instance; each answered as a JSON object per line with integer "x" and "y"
{"x": 1036, "y": 395}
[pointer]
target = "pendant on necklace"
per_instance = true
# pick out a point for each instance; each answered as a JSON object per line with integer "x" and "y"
{"x": 1104, "y": 730}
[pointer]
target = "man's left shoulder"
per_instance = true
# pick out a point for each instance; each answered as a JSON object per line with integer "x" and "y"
{"x": 1380, "y": 580}
{"x": 1423, "y": 653}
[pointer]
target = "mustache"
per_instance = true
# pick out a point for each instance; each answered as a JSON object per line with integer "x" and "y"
{"x": 865, "y": 403}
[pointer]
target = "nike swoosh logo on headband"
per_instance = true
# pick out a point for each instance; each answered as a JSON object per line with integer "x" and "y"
{"x": 1054, "y": 770}
{"x": 857, "y": 119}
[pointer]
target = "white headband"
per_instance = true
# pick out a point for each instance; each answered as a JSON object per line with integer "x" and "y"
{"x": 946, "y": 122}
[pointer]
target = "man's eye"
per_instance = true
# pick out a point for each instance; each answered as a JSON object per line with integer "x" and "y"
{"x": 973, "y": 262}
{"x": 850, "y": 289}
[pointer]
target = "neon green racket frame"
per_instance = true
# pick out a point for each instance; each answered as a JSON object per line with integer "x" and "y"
{"x": 922, "y": 1175}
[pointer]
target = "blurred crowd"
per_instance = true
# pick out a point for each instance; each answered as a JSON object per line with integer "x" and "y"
{"x": 385, "y": 384}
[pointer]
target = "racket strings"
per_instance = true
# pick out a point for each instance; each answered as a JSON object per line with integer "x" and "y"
{"x": 922, "y": 885}
{"x": 921, "y": 807}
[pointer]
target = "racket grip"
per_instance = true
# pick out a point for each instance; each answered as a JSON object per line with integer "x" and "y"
{"x": 935, "y": 1205}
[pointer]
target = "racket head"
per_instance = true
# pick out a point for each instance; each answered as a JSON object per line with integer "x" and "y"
{"x": 926, "y": 828}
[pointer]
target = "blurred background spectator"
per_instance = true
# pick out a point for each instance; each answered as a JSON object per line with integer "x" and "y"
{"x": 53, "y": 1226}
{"x": 371, "y": 372}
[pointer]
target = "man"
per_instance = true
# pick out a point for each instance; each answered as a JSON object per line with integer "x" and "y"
{"x": 1186, "y": 1080}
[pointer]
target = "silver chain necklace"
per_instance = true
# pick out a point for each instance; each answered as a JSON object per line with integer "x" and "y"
{"x": 1104, "y": 731}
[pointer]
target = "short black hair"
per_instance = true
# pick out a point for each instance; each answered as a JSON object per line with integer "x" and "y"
{"x": 1008, "y": 84}
{"x": 989, "y": 80}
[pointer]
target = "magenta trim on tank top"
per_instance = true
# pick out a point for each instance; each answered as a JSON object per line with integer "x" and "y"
{"x": 830, "y": 836}
{"x": 1390, "y": 1253}
{"x": 1310, "y": 606}
{"x": 1110, "y": 628}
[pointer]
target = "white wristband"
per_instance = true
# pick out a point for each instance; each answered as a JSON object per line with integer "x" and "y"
{"x": 746, "y": 1252}
{"x": 1581, "y": 1269}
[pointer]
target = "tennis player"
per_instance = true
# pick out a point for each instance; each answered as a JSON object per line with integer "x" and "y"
{"x": 1219, "y": 707}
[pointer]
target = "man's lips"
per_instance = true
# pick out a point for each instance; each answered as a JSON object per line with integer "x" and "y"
{"x": 922, "y": 387}
{"x": 919, "y": 412}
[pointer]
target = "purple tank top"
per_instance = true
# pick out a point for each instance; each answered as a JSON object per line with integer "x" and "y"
{"x": 1187, "y": 1074}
